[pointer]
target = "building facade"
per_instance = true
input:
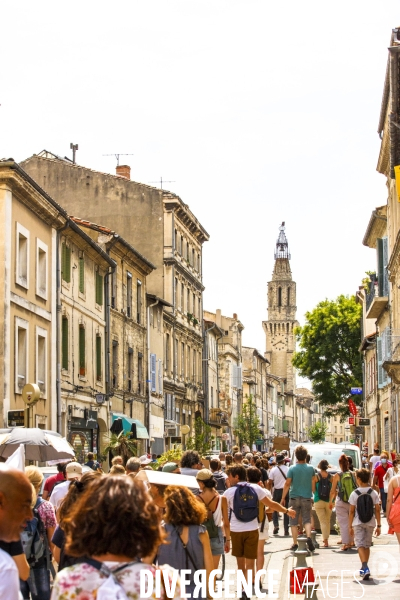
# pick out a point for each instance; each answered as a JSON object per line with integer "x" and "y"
{"x": 255, "y": 386}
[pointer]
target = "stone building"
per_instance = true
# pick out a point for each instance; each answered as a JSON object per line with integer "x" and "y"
{"x": 222, "y": 417}
{"x": 83, "y": 341}
{"x": 163, "y": 229}
{"x": 131, "y": 358}
{"x": 255, "y": 385}
{"x": 214, "y": 415}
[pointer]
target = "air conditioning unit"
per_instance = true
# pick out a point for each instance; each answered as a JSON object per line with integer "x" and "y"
{"x": 172, "y": 431}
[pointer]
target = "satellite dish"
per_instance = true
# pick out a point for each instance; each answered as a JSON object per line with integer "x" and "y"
{"x": 185, "y": 429}
{"x": 30, "y": 393}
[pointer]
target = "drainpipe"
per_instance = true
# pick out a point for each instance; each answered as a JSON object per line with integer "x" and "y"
{"x": 149, "y": 370}
{"x": 107, "y": 336}
{"x": 59, "y": 327}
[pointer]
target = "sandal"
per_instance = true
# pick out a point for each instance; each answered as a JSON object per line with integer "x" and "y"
{"x": 344, "y": 548}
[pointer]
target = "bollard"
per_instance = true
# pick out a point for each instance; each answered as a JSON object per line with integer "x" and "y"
{"x": 301, "y": 553}
{"x": 311, "y": 591}
{"x": 314, "y": 538}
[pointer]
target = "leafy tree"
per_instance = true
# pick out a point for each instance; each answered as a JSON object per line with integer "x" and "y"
{"x": 317, "y": 432}
{"x": 202, "y": 440}
{"x": 121, "y": 445}
{"x": 247, "y": 427}
{"x": 329, "y": 355}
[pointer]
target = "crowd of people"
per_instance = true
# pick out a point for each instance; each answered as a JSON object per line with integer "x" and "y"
{"x": 99, "y": 531}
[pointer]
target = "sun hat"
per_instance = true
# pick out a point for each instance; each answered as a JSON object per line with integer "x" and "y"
{"x": 145, "y": 459}
{"x": 170, "y": 467}
{"x": 204, "y": 475}
{"x": 73, "y": 470}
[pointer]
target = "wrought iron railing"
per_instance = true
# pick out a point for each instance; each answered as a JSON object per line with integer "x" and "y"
{"x": 372, "y": 292}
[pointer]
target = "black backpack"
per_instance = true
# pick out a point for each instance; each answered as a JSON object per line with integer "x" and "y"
{"x": 220, "y": 479}
{"x": 324, "y": 487}
{"x": 365, "y": 506}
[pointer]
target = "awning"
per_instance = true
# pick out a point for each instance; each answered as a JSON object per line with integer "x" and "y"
{"x": 132, "y": 426}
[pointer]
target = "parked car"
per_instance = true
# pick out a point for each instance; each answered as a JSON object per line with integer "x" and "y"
{"x": 331, "y": 453}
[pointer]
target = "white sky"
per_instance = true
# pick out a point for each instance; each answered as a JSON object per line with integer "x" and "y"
{"x": 260, "y": 111}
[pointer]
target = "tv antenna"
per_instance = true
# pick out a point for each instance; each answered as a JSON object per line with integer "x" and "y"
{"x": 117, "y": 156}
{"x": 161, "y": 181}
{"x": 74, "y": 148}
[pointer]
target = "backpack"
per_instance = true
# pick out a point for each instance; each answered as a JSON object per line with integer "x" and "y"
{"x": 324, "y": 487}
{"x": 220, "y": 479}
{"x": 365, "y": 506}
{"x": 245, "y": 503}
{"x": 347, "y": 486}
{"x": 33, "y": 536}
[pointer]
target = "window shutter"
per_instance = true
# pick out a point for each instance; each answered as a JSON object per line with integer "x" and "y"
{"x": 380, "y": 369}
{"x": 234, "y": 376}
{"x": 65, "y": 263}
{"x": 153, "y": 363}
{"x": 99, "y": 289}
{"x": 239, "y": 377}
{"x": 82, "y": 275}
{"x": 385, "y": 260}
{"x": 98, "y": 358}
{"x": 82, "y": 361}
{"x": 160, "y": 376}
{"x": 64, "y": 344}
{"x": 388, "y": 344}
{"x": 173, "y": 408}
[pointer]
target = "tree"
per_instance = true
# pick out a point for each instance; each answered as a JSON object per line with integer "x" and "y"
{"x": 202, "y": 440}
{"x": 247, "y": 423}
{"x": 329, "y": 355}
{"x": 317, "y": 432}
{"x": 121, "y": 445}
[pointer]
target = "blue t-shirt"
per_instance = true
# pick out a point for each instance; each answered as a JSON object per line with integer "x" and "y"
{"x": 301, "y": 475}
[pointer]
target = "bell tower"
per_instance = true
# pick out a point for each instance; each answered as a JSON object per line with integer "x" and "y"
{"x": 279, "y": 328}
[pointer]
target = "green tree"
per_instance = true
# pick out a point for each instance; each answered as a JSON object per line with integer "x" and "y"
{"x": 202, "y": 439}
{"x": 317, "y": 432}
{"x": 120, "y": 444}
{"x": 247, "y": 427}
{"x": 329, "y": 355}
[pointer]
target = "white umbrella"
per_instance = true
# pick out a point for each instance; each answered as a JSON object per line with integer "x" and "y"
{"x": 40, "y": 444}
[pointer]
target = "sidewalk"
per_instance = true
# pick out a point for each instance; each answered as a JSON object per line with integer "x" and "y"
{"x": 335, "y": 570}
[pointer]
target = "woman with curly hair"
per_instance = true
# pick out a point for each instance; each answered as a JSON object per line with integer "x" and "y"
{"x": 74, "y": 491}
{"x": 112, "y": 526}
{"x": 187, "y": 545}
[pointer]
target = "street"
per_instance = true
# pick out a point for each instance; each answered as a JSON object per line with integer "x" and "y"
{"x": 335, "y": 568}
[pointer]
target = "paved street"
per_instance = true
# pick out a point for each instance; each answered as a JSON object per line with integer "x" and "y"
{"x": 384, "y": 556}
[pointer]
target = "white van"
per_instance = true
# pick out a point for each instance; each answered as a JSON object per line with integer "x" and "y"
{"x": 331, "y": 453}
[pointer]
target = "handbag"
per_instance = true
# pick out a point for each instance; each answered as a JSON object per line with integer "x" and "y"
{"x": 209, "y": 524}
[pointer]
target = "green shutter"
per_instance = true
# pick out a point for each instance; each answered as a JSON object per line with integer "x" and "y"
{"x": 82, "y": 275}
{"x": 98, "y": 358}
{"x": 64, "y": 344}
{"x": 65, "y": 263}
{"x": 82, "y": 361}
{"x": 99, "y": 289}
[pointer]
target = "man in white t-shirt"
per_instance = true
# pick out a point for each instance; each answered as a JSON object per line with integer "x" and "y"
{"x": 374, "y": 459}
{"x": 15, "y": 510}
{"x": 277, "y": 478}
{"x": 73, "y": 472}
{"x": 244, "y": 535}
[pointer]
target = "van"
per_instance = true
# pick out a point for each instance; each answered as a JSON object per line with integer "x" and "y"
{"x": 331, "y": 453}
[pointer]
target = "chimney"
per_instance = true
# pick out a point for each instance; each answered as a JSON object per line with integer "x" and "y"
{"x": 124, "y": 171}
{"x": 235, "y": 316}
{"x": 218, "y": 318}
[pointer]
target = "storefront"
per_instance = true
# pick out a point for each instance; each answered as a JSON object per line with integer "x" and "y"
{"x": 83, "y": 435}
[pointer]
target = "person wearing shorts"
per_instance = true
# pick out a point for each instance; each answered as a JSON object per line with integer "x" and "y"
{"x": 253, "y": 477}
{"x": 244, "y": 536}
{"x": 363, "y": 531}
{"x": 298, "y": 485}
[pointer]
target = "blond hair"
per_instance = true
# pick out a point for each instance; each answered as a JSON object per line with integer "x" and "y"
{"x": 35, "y": 476}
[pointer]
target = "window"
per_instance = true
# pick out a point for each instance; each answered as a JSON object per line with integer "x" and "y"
{"x": 114, "y": 288}
{"x": 65, "y": 262}
{"x": 182, "y": 297}
{"x": 187, "y": 251}
{"x": 41, "y": 358}
{"x": 198, "y": 263}
{"x": 167, "y": 352}
{"x": 182, "y": 359}
{"x": 115, "y": 364}
{"x": 279, "y": 296}
{"x": 212, "y": 397}
{"x": 41, "y": 269}
{"x": 82, "y": 351}
{"x": 22, "y": 256}
{"x": 64, "y": 343}
{"x": 139, "y": 301}
{"x": 194, "y": 356}
{"x": 181, "y": 246}
{"x": 192, "y": 257}
{"x": 188, "y": 301}
{"x": 176, "y": 293}
{"x": 129, "y": 294}
{"x": 188, "y": 365}
{"x": 288, "y": 296}
{"x": 153, "y": 372}
{"x": 82, "y": 275}
{"x": 160, "y": 376}
{"x": 175, "y": 357}
{"x": 199, "y": 314}
{"x": 140, "y": 373}
{"x": 21, "y": 354}
{"x": 194, "y": 305}
{"x": 130, "y": 369}
{"x": 176, "y": 241}
{"x": 98, "y": 358}
{"x": 99, "y": 289}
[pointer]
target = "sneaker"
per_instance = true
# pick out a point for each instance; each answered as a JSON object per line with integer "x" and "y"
{"x": 294, "y": 547}
{"x": 276, "y": 530}
{"x": 365, "y": 573}
{"x": 310, "y": 544}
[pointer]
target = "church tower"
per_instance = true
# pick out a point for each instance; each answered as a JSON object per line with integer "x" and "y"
{"x": 280, "y": 339}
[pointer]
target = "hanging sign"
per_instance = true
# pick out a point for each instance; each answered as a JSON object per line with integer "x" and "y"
{"x": 352, "y": 407}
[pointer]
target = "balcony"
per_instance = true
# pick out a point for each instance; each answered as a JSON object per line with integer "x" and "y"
{"x": 375, "y": 302}
{"x": 218, "y": 417}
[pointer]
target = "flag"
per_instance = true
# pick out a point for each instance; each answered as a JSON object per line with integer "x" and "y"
{"x": 397, "y": 177}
